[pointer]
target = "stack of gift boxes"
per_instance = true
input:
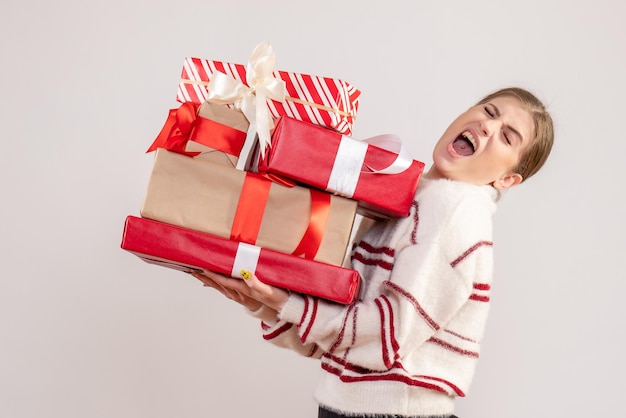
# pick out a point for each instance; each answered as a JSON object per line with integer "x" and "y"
{"x": 256, "y": 170}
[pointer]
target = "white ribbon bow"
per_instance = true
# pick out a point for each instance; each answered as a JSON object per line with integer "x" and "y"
{"x": 251, "y": 99}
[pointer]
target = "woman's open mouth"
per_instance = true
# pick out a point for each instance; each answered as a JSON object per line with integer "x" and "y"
{"x": 465, "y": 144}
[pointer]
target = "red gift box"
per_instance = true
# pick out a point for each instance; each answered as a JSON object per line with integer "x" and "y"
{"x": 324, "y": 159}
{"x": 325, "y": 101}
{"x": 188, "y": 250}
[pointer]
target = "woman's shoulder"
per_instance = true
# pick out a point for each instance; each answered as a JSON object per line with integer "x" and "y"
{"x": 449, "y": 194}
{"x": 457, "y": 207}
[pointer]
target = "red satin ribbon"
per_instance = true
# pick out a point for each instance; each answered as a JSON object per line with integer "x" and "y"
{"x": 217, "y": 136}
{"x": 183, "y": 125}
{"x": 312, "y": 238}
{"x": 175, "y": 133}
{"x": 251, "y": 205}
{"x": 283, "y": 181}
{"x": 250, "y": 208}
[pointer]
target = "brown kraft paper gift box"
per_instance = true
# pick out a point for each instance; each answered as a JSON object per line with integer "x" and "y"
{"x": 203, "y": 196}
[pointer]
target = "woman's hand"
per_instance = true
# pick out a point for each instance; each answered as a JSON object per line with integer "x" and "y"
{"x": 242, "y": 299}
{"x": 250, "y": 291}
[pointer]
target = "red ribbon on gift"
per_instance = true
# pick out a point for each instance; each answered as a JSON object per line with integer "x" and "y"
{"x": 249, "y": 214}
{"x": 250, "y": 208}
{"x": 175, "y": 133}
{"x": 183, "y": 125}
{"x": 312, "y": 238}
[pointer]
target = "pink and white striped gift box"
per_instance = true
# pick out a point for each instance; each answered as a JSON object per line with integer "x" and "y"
{"x": 323, "y": 101}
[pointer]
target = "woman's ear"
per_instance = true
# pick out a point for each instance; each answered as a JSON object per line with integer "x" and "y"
{"x": 507, "y": 181}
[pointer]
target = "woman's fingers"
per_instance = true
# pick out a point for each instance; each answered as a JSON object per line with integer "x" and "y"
{"x": 231, "y": 288}
{"x": 271, "y": 296}
{"x": 229, "y": 282}
{"x": 243, "y": 291}
{"x": 204, "y": 279}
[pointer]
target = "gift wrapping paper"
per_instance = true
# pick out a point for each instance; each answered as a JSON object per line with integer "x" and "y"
{"x": 325, "y": 101}
{"x": 310, "y": 155}
{"x": 209, "y": 131}
{"x": 227, "y": 202}
{"x": 188, "y": 250}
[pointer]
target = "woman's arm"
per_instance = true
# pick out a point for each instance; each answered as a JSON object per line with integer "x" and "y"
{"x": 423, "y": 293}
{"x": 276, "y": 331}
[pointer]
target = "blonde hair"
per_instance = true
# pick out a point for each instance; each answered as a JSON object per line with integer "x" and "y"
{"x": 537, "y": 153}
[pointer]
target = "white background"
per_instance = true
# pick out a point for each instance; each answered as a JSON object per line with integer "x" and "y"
{"x": 89, "y": 330}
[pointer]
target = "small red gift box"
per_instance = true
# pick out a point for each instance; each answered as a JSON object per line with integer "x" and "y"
{"x": 325, "y": 101}
{"x": 324, "y": 159}
{"x": 188, "y": 250}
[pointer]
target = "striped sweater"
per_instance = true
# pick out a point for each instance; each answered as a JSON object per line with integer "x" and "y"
{"x": 409, "y": 345}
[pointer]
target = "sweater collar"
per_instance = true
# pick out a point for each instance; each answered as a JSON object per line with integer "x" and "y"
{"x": 487, "y": 190}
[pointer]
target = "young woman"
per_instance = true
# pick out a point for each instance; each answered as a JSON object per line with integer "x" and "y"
{"x": 409, "y": 345}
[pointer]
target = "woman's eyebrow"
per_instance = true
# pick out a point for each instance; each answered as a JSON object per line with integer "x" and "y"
{"x": 515, "y": 131}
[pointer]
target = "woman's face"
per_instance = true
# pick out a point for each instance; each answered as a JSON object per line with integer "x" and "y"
{"x": 484, "y": 144}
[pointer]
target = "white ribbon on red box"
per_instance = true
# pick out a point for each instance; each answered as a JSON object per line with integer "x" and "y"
{"x": 350, "y": 157}
{"x": 247, "y": 258}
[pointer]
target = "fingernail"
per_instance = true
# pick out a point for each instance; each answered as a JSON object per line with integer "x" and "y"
{"x": 245, "y": 274}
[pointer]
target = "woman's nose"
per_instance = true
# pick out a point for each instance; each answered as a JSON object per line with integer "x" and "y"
{"x": 489, "y": 126}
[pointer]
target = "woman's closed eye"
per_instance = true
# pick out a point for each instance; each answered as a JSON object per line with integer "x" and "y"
{"x": 493, "y": 113}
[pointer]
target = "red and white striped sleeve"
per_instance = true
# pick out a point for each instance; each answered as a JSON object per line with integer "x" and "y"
{"x": 283, "y": 334}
